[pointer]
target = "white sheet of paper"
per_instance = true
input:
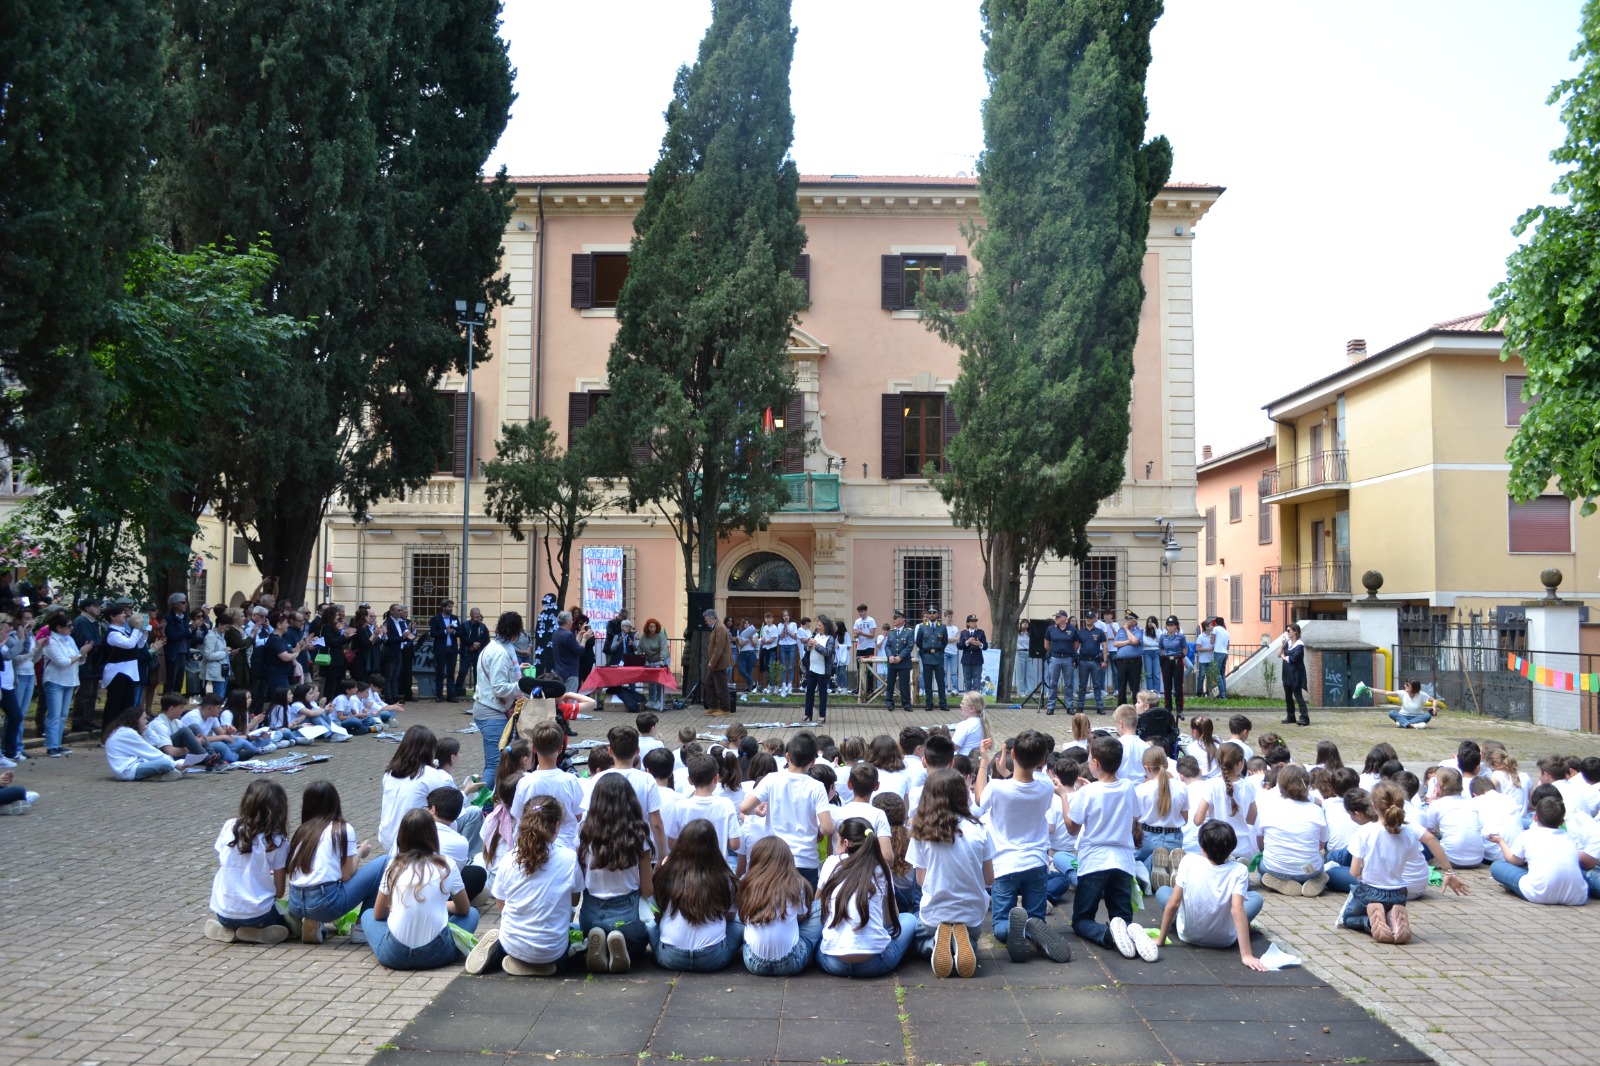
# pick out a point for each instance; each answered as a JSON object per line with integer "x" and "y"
{"x": 312, "y": 732}
{"x": 1275, "y": 958}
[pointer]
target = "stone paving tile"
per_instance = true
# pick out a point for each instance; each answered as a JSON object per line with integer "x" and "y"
{"x": 119, "y": 874}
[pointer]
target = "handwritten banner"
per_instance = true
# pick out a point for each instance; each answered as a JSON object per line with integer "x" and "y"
{"x": 1556, "y": 679}
{"x": 602, "y": 583}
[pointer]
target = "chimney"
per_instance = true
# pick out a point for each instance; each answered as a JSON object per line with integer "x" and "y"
{"x": 1205, "y": 453}
{"x": 1355, "y": 350}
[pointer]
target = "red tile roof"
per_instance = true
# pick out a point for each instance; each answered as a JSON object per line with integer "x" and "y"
{"x": 1473, "y": 323}
{"x": 810, "y": 179}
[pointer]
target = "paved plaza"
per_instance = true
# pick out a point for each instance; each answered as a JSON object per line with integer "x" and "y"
{"x": 107, "y": 885}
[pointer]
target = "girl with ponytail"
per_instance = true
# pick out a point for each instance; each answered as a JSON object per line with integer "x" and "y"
{"x": 1231, "y": 797}
{"x": 1163, "y": 809}
{"x": 539, "y": 881}
{"x": 1378, "y": 850}
{"x": 1202, "y": 745}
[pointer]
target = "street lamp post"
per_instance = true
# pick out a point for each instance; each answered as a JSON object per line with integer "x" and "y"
{"x": 472, "y": 319}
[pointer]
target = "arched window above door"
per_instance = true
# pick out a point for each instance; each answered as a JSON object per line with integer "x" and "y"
{"x": 763, "y": 572}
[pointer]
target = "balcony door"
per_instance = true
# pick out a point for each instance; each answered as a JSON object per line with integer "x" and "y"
{"x": 1316, "y": 473}
{"x": 1319, "y": 551}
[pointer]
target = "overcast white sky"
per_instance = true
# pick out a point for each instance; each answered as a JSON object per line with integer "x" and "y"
{"x": 1376, "y": 152}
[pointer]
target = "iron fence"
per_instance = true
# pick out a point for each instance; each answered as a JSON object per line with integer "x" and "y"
{"x": 1322, "y": 468}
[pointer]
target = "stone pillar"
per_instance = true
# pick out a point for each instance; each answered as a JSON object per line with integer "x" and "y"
{"x": 1553, "y": 643}
{"x": 1380, "y": 627}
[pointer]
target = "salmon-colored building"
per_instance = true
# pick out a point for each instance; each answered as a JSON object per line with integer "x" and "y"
{"x": 1238, "y": 545}
{"x": 861, "y": 525}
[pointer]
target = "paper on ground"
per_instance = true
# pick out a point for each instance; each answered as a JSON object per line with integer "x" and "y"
{"x": 1275, "y": 958}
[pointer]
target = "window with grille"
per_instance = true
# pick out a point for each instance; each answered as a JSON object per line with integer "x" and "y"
{"x": 1263, "y": 519}
{"x": 922, "y": 580}
{"x": 241, "y": 552}
{"x": 1099, "y": 584}
{"x": 1211, "y": 537}
{"x": 1543, "y": 524}
{"x": 1266, "y": 597}
{"x": 430, "y": 572}
{"x": 1236, "y": 598}
{"x": 1236, "y": 504}
{"x": 1211, "y": 597}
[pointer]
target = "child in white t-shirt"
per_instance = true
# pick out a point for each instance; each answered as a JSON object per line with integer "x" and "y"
{"x": 538, "y": 884}
{"x": 1230, "y": 797}
{"x": 1209, "y": 903}
{"x": 863, "y": 781}
{"x": 968, "y": 733}
{"x": 1499, "y": 814}
{"x": 349, "y": 711}
{"x": 1454, "y": 819}
{"x": 953, "y": 856}
{"x": 1105, "y": 815}
{"x": 1543, "y": 864}
{"x": 794, "y": 804}
{"x": 1065, "y": 777}
{"x": 614, "y": 851}
{"x": 704, "y": 803}
{"x": 862, "y": 931}
{"x": 420, "y": 898}
{"x": 1292, "y": 833}
{"x": 1126, "y": 720}
{"x": 1016, "y": 811}
{"x": 326, "y": 878}
{"x": 1194, "y": 786}
{"x": 1379, "y": 853}
{"x": 548, "y": 779}
{"x": 252, "y": 851}
{"x": 781, "y": 929}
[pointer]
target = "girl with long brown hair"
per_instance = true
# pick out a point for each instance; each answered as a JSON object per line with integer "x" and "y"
{"x": 697, "y": 931}
{"x": 252, "y": 850}
{"x": 614, "y": 851}
{"x": 953, "y": 856}
{"x": 781, "y": 932}
{"x": 420, "y": 898}
{"x": 326, "y": 878}
{"x": 539, "y": 883}
{"x": 862, "y": 935}
{"x": 1231, "y": 797}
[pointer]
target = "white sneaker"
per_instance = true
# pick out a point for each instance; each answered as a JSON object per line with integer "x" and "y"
{"x": 5, "y": 763}
{"x": 1144, "y": 944}
{"x": 1121, "y": 936}
{"x": 19, "y": 807}
{"x": 32, "y": 798}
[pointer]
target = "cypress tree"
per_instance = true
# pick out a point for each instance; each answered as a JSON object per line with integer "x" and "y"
{"x": 704, "y": 315}
{"x": 1046, "y": 376}
{"x": 356, "y": 143}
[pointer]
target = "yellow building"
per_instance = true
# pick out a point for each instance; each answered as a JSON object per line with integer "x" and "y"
{"x": 1397, "y": 463}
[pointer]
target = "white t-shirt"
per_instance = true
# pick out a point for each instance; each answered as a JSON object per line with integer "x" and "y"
{"x": 845, "y": 938}
{"x": 400, "y": 796}
{"x": 1242, "y": 746}
{"x": 1340, "y": 825}
{"x": 967, "y": 735}
{"x": 866, "y": 634}
{"x": 538, "y": 909}
{"x": 644, "y": 786}
{"x": 793, "y": 802}
{"x": 684, "y": 934}
{"x": 416, "y": 922}
{"x": 1177, "y": 813}
{"x": 1206, "y": 914}
{"x": 1578, "y": 795}
{"x": 1209, "y": 767}
{"x": 125, "y": 750}
{"x": 774, "y": 939}
{"x": 609, "y": 884}
{"x": 1517, "y": 787}
{"x": 452, "y": 845}
{"x": 856, "y": 809}
{"x": 1191, "y": 832}
{"x": 1384, "y": 855}
{"x": 348, "y": 707}
{"x": 243, "y": 886}
{"x": 1106, "y": 812}
{"x": 897, "y": 781}
{"x": 1554, "y": 876}
{"x": 159, "y": 733}
{"x": 327, "y": 863}
{"x": 1454, "y": 820}
{"x": 1015, "y": 813}
{"x": 916, "y": 770}
{"x": 1295, "y": 834}
{"x": 1499, "y": 815}
{"x": 953, "y": 888}
{"x": 788, "y": 633}
{"x": 560, "y": 786}
{"x": 1216, "y": 798}
{"x": 1219, "y": 643}
{"x": 718, "y": 810}
{"x": 769, "y": 636}
{"x": 647, "y": 745}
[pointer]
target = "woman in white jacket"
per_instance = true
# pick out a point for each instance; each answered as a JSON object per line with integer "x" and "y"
{"x": 497, "y": 690}
{"x": 61, "y": 657}
{"x": 214, "y": 654}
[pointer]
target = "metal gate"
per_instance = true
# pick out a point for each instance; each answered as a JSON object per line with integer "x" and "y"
{"x": 1473, "y": 679}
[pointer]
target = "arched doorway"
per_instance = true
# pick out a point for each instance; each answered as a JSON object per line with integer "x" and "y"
{"x": 763, "y": 582}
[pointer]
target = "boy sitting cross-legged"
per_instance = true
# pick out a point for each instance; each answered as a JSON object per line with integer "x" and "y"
{"x": 1210, "y": 899}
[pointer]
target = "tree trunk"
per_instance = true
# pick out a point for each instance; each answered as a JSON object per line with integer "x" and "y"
{"x": 1002, "y": 581}
{"x": 285, "y": 549}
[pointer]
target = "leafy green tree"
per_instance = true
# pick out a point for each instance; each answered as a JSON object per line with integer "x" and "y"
{"x": 532, "y": 481}
{"x": 1047, "y": 342}
{"x": 79, "y": 83}
{"x": 170, "y": 402}
{"x": 1549, "y": 304}
{"x": 704, "y": 316}
{"x": 355, "y": 138}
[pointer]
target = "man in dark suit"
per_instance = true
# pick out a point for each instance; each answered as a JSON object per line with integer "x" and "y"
{"x": 719, "y": 659}
{"x": 394, "y": 637}
{"x": 474, "y": 638}
{"x": 445, "y": 629}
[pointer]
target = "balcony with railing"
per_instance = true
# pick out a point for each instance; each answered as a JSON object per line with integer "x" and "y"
{"x": 1303, "y": 480}
{"x": 1309, "y": 581}
{"x": 810, "y": 492}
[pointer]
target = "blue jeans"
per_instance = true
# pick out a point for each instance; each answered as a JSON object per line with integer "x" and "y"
{"x": 440, "y": 951}
{"x": 57, "y": 699}
{"x": 1025, "y": 888}
{"x": 700, "y": 960}
{"x": 490, "y": 727}
{"x": 1089, "y": 675}
{"x": 1058, "y": 671}
{"x": 952, "y": 663}
{"x": 932, "y": 675}
{"x": 154, "y": 767}
{"x": 1409, "y": 720}
{"x": 25, "y": 679}
{"x": 242, "y": 749}
{"x": 220, "y": 687}
{"x": 1510, "y": 875}
{"x": 272, "y": 917}
{"x": 747, "y": 670}
{"x": 11, "y": 738}
{"x": 1220, "y": 665}
{"x": 1116, "y": 888}
{"x": 884, "y": 963}
{"x": 615, "y": 914}
{"x": 797, "y": 959}
{"x": 1340, "y": 879}
{"x": 333, "y": 900}
{"x": 1252, "y": 904}
{"x": 1593, "y": 878}
{"x": 1354, "y": 915}
{"x": 1152, "y": 670}
{"x": 786, "y": 652}
{"x": 1063, "y": 876}
{"x": 1166, "y": 838}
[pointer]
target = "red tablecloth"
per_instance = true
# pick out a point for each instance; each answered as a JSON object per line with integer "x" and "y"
{"x": 610, "y": 676}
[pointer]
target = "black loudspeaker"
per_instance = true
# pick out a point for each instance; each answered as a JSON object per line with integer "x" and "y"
{"x": 1036, "y": 628}
{"x": 699, "y": 604}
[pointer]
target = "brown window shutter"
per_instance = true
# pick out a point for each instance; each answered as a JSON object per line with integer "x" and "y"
{"x": 893, "y": 277}
{"x": 460, "y": 446}
{"x": 1543, "y": 524}
{"x": 956, "y": 264}
{"x": 952, "y": 426}
{"x": 641, "y": 453}
{"x": 802, "y": 271}
{"x": 577, "y": 414}
{"x": 582, "y": 279}
{"x": 446, "y": 463}
{"x": 894, "y": 436}
{"x": 794, "y": 429}
{"x": 1515, "y": 406}
{"x": 1211, "y": 541}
